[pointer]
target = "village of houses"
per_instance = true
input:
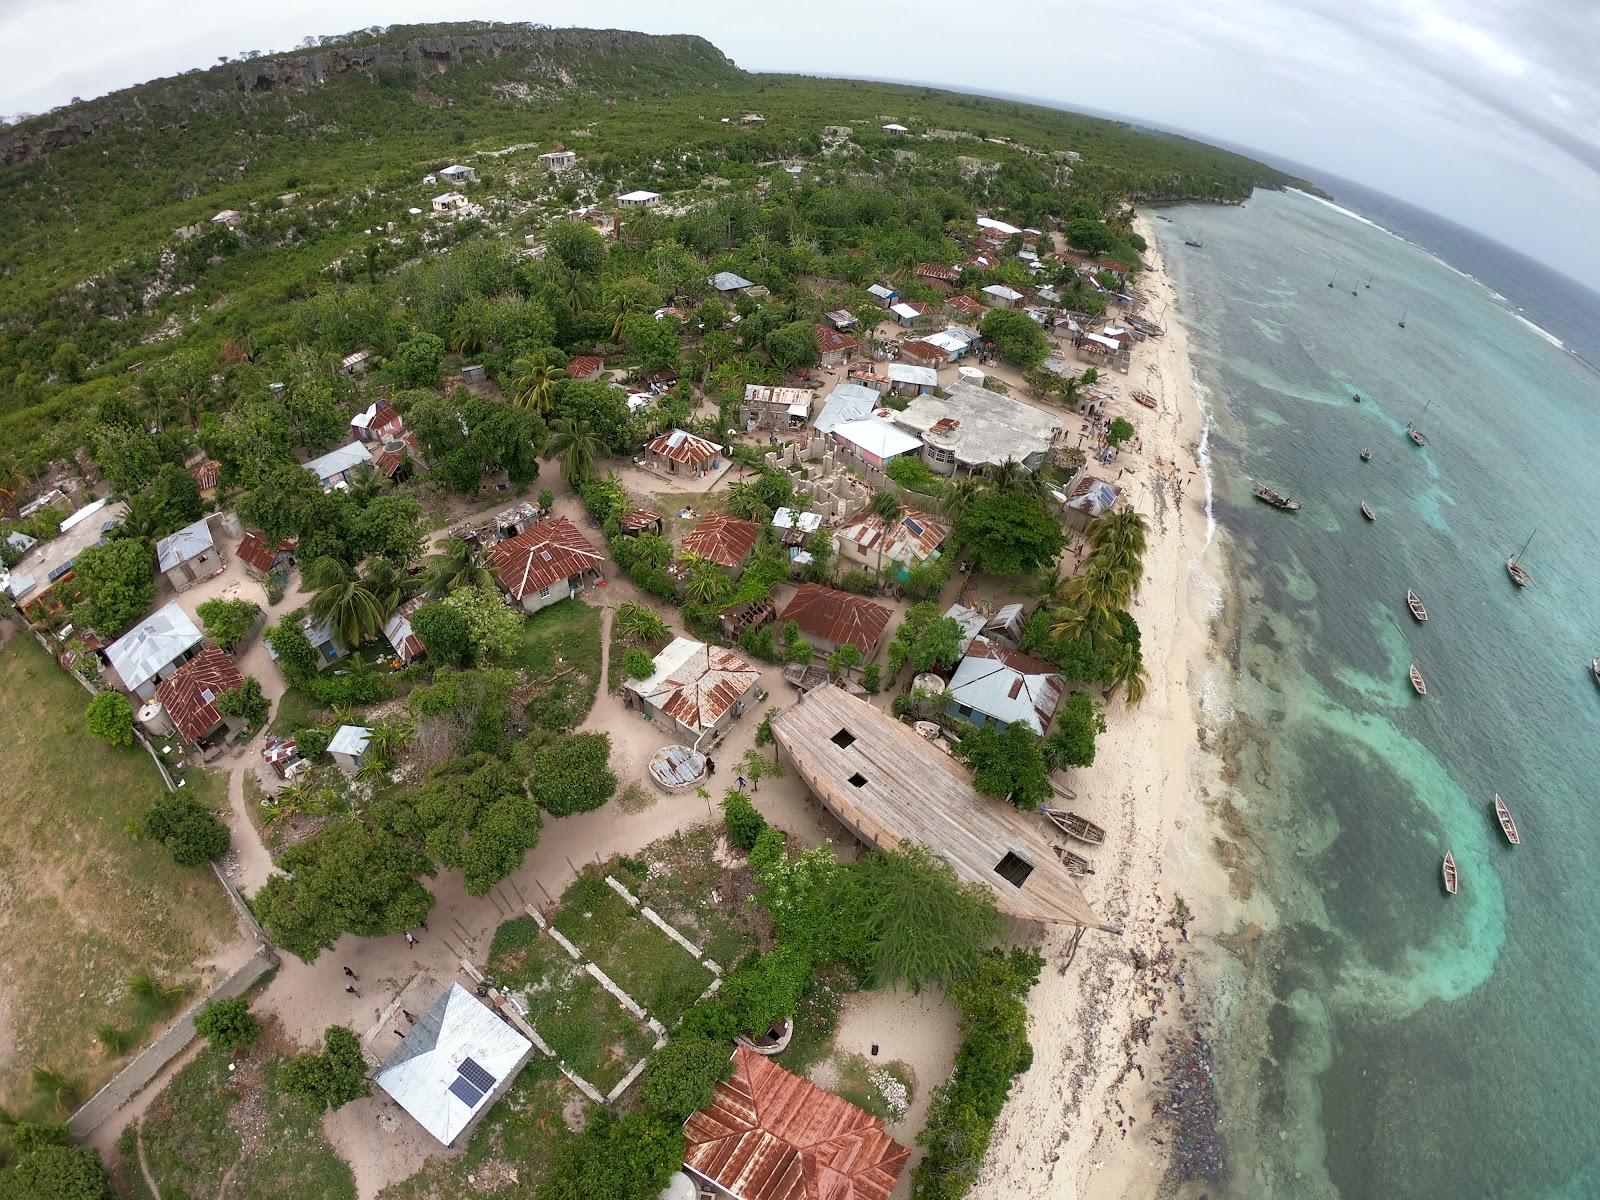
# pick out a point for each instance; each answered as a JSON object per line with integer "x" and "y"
{"x": 444, "y": 1038}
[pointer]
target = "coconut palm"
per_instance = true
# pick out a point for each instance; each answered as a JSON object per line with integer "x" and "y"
{"x": 1121, "y": 534}
{"x": 706, "y": 584}
{"x": 344, "y": 599}
{"x": 744, "y": 500}
{"x": 389, "y": 736}
{"x": 1129, "y": 674}
{"x": 458, "y": 564}
{"x": 639, "y": 623}
{"x": 384, "y": 580}
{"x": 55, "y": 1087}
{"x": 573, "y": 440}
{"x": 887, "y": 508}
{"x": 1102, "y": 583}
{"x": 958, "y": 496}
{"x": 533, "y": 379}
{"x": 1011, "y": 477}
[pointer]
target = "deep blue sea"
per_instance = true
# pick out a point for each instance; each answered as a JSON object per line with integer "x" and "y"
{"x": 1388, "y": 1040}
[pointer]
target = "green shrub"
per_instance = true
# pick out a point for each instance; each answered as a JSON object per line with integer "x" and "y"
{"x": 638, "y": 664}
{"x": 110, "y": 716}
{"x": 571, "y": 775}
{"x": 619, "y": 1158}
{"x": 189, "y": 830}
{"x": 312, "y": 742}
{"x": 744, "y": 823}
{"x": 682, "y": 1076}
{"x": 872, "y": 679}
{"x": 227, "y": 1024}
{"x": 331, "y": 1079}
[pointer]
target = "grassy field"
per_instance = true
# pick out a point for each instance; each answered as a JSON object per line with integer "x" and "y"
{"x": 214, "y": 1132}
{"x": 710, "y": 900}
{"x": 643, "y": 961}
{"x": 561, "y": 653}
{"x": 83, "y": 906}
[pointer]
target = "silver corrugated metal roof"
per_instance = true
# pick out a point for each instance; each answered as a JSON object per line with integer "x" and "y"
{"x": 336, "y": 462}
{"x": 152, "y": 645}
{"x": 189, "y": 542}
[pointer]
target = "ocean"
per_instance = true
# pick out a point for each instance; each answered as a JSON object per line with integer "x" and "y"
{"x": 1386, "y": 1040}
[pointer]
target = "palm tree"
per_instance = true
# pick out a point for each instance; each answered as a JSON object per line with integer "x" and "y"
{"x": 745, "y": 501}
{"x": 575, "y": 442}
{"x": 620, "y": 305}
{"x": 958, "y": 496}
{"x": 639, "y": 623}
{"x": 884, "y": 505}
{"x": 389, "y": 736}
{"x": 1103, "y": 583}
{"x": 57, "y": 1088}
{"x": 345, "y": 600}
{"x": 706, "y": 584}
{"x": 1128, "y": 672}
{"x": 1011, "y": 477}
{"x": 384, "y": 580}
{"x": 533, "y": 379}
{"x": 457, "y": 565}
{"x": 1121, "y": 532}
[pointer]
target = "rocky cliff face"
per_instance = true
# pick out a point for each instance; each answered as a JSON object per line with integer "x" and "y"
{"x": 525, "y": 53}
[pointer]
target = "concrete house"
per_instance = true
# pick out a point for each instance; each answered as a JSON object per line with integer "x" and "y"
{"x": 545, "y": 563}
{"x": 558, "y": 160}
{"x": 914, "y": 314}
{"x": 38, "y": 582}
{"x": 639, "y": 199}
{"x": 830, "y": 618}
{"x": 338, "y": 467}
{"x": 873, "y": 441}
{"x": 834, "y": 347}
{"x": 154, "y": 649}
{"x": 260, "y": 559}
{"x": 348, "y": 747}
{"x": 449, "y": 202}
{"x": 908, "y": 541}
{"x": 972, "y": 428}
{"x": 678, "y": 452}
{"x": 775, "y": 408}
{"x": 1001, "y": 296}
{"x": 190, "y": 696}
{"x": 459, "y": 174}
{"x": 189, "y": 556}
{"x": 695, "y": 691}
{"x": 996, "y": 685}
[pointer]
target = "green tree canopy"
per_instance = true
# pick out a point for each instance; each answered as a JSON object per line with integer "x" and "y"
{"x": 117, "y": 579}
{"x": 1078, "y": 722}
{"x": 927, "y": 925}
{"x": 226, "y": 620}
{"x": 110, "y": 716}
{"x": 1010, "y": 533}
{"x": 472, "y": 813}
{"x": 1017, "y": 336}
{"x": 1008, "y": 763}
{"x": 926, "y": 639}
{"x": 572, "y": 775}
{"x": 227, "y": 1024}
{"x": 683, "y": 1075}
{"x": 332, "y": 1078}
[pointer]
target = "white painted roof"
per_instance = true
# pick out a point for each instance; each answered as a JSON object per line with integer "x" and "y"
{"x": 847, "y": 402}
{"x": 904, "y": 310}
{"x": 349, "y": 739}
{"x": 426, "y": 1065}
{"x": 84, "y": 513}
{"x": 906, "y": 373}
{"x": 152, "y": 645}
{"x": 641, "y": 194}
{"x": 449, "y": 198}
{"x": 727, "y": 281}
{"x": 1103, "y": 340}
{"x": 895, "y": 127}
{"x": 189, "y": 542}
{"x": 788, "y": 518}
{"x": 878, "y": 290}
{"x": 1002, "y": 292}
{"x": 878, "y": 437}
{"x": 947, "y": 342}
{"x": 997, "y": 226}
{"x": 335, "y": 462}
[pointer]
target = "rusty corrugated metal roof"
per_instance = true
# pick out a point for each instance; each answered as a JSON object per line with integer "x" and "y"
{"x": 726, "y": 541}
{"x": 542, "y": 555}
{"x": 837, "y": 617}
{"x": 771, "y": 1135}
{"x": 190, "y": 693}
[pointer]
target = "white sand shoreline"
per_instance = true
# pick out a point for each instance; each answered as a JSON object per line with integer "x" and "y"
{"x": 1066, "y": 1130}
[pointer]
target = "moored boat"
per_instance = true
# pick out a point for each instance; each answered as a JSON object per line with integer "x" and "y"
{"x": 1594, "y": 669}
{"x": 1366, "y": 511}
{"x": 1277, "y": 499}
{"x": 1074, "y": 826}
{"x": 1366, "y": 454}
{"x": 1451, "y": 879}
{"x": 1515, "y": 569}
{"x": 1414, "y": 603}
{"x": 1418, "y": 684}
{"x": 1507, "y": 825}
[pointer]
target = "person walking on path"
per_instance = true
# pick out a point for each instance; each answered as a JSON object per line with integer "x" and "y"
{"x": 410, "y": 941}
{"x": 351, "y": 973}
{"x": 352, "y": 991}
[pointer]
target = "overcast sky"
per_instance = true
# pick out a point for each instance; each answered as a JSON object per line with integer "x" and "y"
{"x": 1485, "y": 111}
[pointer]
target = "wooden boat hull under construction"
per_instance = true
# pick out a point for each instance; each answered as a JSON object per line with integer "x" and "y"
{"x": 1074, "y": 826}
{"x": 1418, "y": 683}
{"x": 1145, "y": 399}
{"x": 1508, "y": 825}
{"x": 1452, "y": 880}
{"x": 1414, "y": 603}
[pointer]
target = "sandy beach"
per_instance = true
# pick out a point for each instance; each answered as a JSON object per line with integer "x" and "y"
{"x": 1078, "y": 1123}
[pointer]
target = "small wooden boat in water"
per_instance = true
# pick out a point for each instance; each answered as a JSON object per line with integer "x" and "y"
{"x": 1356, "y": 397}
{"x": 1413, "y": 432}
{"x": 1277, "y": 499}
{"x": 1594, "y": 669}
{"x": 1451, "y": 881}
{"x": 1075, "y": 864}
{"x": 1074, "y": 826}
{"x": 1418, "y": 684}
{"x": 1366, "y": 511}
{"x": 1515, "y": 569}
{"x": 1366, "y": 454}
{"x": 1507, "y": 825}
{"x": 1414, "y": 603}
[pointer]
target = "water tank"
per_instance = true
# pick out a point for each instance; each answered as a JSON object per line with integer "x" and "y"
{"x": 153, "y": 719}
{"x": 970, "y": 375}
{"x": 928, "y": 682}
{"x": 679, "y": 1187}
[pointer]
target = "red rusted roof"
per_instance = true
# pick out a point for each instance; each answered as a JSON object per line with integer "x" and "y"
{"x": 206, "y": 474}
{"x": 695, "y": 684}
{"x": 638, "y": 520}
{"x": 726, "y": 541}
{"x": 830, "y": 341}
{"x": 965, "y": 304}
{"x": 770, "y": 1135}
{"x": 938, "y": 271}
{"x": 925, "y": 351}
{"x": 254, "y": 551}
{"x": 687, "y": 449}
{"x": 910, "y": 539}
{"x": 189, "y": 694}
{"x": 585, "y": 366}
{"x": 543, "y": 554}
{"x": 837, "y": 617}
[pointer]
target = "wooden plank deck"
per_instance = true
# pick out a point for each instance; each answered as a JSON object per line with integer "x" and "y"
{"x": 887, "y": 785}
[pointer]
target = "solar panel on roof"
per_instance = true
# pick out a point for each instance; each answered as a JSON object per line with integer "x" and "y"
{"x": 463, "y": 1091}
{"x": 913, "y": 526}
{"x": 57, "y": 572}
{"x": 480, "y": 1078}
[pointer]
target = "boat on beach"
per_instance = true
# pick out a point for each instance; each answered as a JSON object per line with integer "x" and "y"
{"x": 1515, "y": 569}
{"x": 1277, "y": 499}
{"x": 1366, "y": 454}
{"x": 1414, "y": 603}
{"x": 1418, "y": 683}
{"x": 1507, "y": 825}
{"x": 1366, "y": 511}
{"x": 1448, "y": 868}
{"x": 1075, "y": 864}
{"x": 1075, "y": 827}
{"x": 1144, "y": 398}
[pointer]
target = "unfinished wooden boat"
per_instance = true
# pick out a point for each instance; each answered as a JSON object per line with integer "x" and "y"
{"x": 1366, "y": 511}
{"x": 1366, "y": 454}
{"x": 1277, "y": 499}
{"x": 1418, "y": 682}
{"x": 1145, "y": 399}
{"x": 1414, "y": 603}
{"x": 1451, "y": 880}
{"x": 1515, "y": 569}
{"x": 1074, "y": 826}
{"x": 1075, "y": 864}
{"x": 1508, "y": 826}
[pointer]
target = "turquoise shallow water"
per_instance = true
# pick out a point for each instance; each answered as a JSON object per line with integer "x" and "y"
{"x": 1390, "y": 1041}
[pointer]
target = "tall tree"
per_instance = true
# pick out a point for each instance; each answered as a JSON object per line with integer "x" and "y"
{"x": 574, "y": 442}
{"x": 345, "y": 599}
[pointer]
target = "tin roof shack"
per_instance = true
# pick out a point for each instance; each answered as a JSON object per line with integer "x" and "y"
{"x": 995, "y": 685}
{"x": 729, "y": 284}
{"x": 46, "y": 566}
{"x": 847, "y": 402}
{"x": 696, "y": 691}
{"x": 453, "y": 1064}
{"x": 585, "y": 367}
{"x": 190, "y": 556}
{"x": 558, "y": 160}
{"x": 678, "y": 452}
{"x": 154, "y": 649}
{"x": 833, "y": 346}
{"x": 775, "y": 408}
{"x": 348, "y": 747}
{"x": 726, "y": 541}
{"x": 973, "y": 428}
{"x": 830, "y": 619}
{"x": 378, "y": 422}
{"x": 1090, "y": 497}
{"x": 910, "y": 540}
{"x": 403, "y": 640}
{"x": 888, "y": 784}
{"x": 545, "y": 563}
{"x": 190, "y": 697}
{"x": 770, "y": 1135}
{"x": 339, "y": 467}
{"x": 873, "y": 441}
